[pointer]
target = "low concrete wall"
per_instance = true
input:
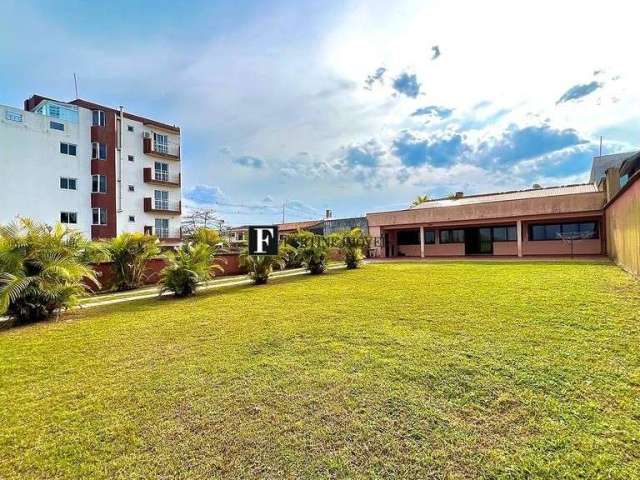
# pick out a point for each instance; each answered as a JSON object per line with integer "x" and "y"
{"x": 622, "y": 218}
{"x": 230, "y": 263}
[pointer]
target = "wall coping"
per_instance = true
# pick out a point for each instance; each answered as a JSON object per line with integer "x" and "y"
{"x": 633, "y": 179}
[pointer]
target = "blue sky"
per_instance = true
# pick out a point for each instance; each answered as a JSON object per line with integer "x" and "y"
{"x": 349, "y": 105}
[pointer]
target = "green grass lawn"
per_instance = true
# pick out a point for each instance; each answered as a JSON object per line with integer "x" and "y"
{"x": 454, "y": 370}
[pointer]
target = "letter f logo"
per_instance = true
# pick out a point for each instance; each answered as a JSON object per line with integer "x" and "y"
{"x": 263, "y": 240}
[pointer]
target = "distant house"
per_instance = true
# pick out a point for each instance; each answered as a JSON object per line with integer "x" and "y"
{"x": 601, "y": 164}
{"x": 313, "y": 226}
{"x": 333, "y": 225}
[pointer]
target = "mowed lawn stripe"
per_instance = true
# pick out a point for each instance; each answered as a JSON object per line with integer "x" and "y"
{"x": 459, "y": 370}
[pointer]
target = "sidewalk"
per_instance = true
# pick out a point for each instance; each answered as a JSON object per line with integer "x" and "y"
{"x": 154, "y": 291}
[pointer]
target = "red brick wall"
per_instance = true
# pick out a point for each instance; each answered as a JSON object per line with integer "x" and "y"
{"x": 155, "y": 266}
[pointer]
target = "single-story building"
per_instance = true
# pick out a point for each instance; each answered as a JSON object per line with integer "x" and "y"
{"x": 313, "y": 226}
{"x": 539, "y": 221}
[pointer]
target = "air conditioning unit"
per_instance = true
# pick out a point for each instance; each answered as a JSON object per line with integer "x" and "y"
{"x": 147, "y": 134}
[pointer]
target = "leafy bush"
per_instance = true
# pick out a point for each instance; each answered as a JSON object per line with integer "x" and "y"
{"x": 42, "y": 269}
{"x": 129, "y": 253}
{"x": 187, "y": 268}
{"x": 290, "y": 256}
{"x": 350, "y": 244}
{"x": 259, "y": 267}
{"x": 314, "y": 254}
{"x": 291, "y": 247}
{"x": 206, "y": 235}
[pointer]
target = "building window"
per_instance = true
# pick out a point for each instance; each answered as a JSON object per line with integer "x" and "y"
{"x": 408, "y": 237}
{"x": 68, "y": 149}
{"x": 161, "y": 171}
{"x": 132, "y": 188}
{"x": 68, "y": 183}
{"x": 161, "y": 143}
{"x": 451, "y": 236}
{"x": 54, "y": 111}
{"x": 99, "y": 184}
{"x": 13, "y": 116}
{"x": 162, "y": 228}
{"x": 130, "y": 128}
{"x": 161, "y": 198}
{"x": 98, "y": 151}
{"x": 504, "y": 234}
{"x": 97, "y": 118}
{"x": 56, "y": 126}
{"x": 69, "y": 217}
{"x": 131, "y": 158}
{"x": 132, "y": 218}
{"x": 556, "y": 231}
{"x": 99, "y": 216}
{"x": 429, "y": 237}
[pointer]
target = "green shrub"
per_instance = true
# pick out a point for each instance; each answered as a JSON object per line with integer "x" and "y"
{"x": 129, "y": 253}
{"x": 260, "y": 267}
{"x": 314, "y": 253}
{"x": 187, "y": 268}
{"x": 350, "y": 244}
{"x": 43, "y": 269}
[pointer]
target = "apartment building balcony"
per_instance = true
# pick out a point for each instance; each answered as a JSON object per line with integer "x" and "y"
{"x": 165, "y": 150}
{"x": 166, "y": 236}
{"x": 160, "y": 177}
{"x": 167, "y": 208}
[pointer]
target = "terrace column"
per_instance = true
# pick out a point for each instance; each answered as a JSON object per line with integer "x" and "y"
{"x": 421, "y": 241}
{"x": 519, "y": 236}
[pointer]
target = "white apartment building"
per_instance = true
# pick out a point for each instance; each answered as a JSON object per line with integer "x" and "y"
{"x": 100, "y": 170}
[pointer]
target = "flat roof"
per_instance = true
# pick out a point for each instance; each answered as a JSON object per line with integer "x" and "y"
{"x": 506, "y": 196}
{"x": 78, "y": 102}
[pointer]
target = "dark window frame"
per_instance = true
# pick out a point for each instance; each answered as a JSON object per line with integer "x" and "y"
{"x": 595, "y": 230}
{"x": 408, "y": 237}
{"x": 507, "y": 230}
{"x": 56, "y": 126}
{"x": 427, "y": 235}
{"x": 451, "y": 237}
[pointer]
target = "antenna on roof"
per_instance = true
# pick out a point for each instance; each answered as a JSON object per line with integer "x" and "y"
{"x": 601, "y": 145}
{"x": 75, "y": 81}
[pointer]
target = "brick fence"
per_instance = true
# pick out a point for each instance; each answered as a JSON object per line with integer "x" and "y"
{"x": 230, "y": 262}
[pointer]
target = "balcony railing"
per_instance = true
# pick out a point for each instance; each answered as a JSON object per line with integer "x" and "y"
{"x": 161, "y": 177}
{"x": 168, "y": 234}
{"x": 170, "y": 150}
{"x": 162, "y": 206}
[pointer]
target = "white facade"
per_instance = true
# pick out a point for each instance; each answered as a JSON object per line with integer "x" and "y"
{"x": 31, "y": 165}
{"x": 133, "y": 163}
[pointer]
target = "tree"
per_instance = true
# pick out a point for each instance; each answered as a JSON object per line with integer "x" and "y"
{"x": 43, "y": 269}
{"x": 206, "y": 235}
{"x": 200, "y": 218}
{"x": 188, "y": 267}
{"x": 420, "y": 199}
{"x": 129, "y": 253}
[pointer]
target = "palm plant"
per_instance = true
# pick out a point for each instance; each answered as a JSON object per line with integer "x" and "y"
{"x": 314, "y": 255}
{"x": 187, "y": 268}
{"x": 290, "y": 256}
{"x": 129, "y": 253}
{"x": 43, "y": 269}
{"x": 260, "y": 267}
{"x": 350, "y": 244}
{"x": 206, "y": 235}
{"x": 419, "y": 200}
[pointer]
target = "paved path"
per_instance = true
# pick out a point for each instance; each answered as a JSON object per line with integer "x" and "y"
{"x": 154, "y": 292}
